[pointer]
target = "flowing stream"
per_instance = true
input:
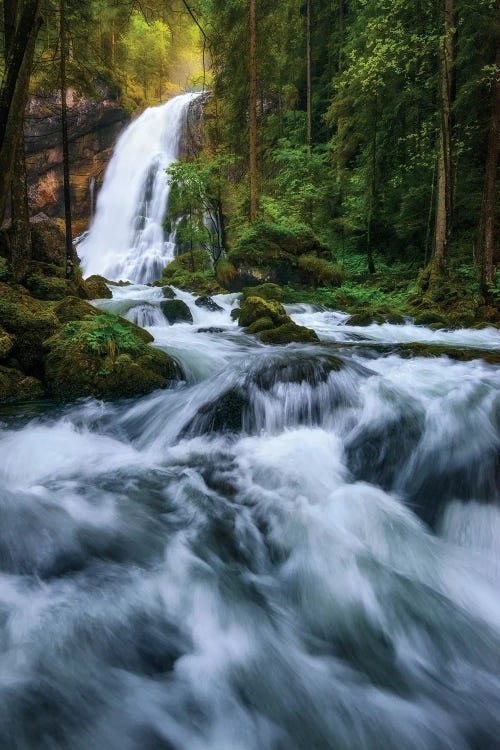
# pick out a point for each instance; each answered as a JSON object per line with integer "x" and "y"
{"x": 297, "y": 548}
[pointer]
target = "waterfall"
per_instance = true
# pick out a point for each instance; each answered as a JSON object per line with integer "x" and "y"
{"x": 127, "y": 239}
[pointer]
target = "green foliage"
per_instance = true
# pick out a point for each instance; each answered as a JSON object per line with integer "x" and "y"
{"x": 192, "y": 271}
{"x": 5, "y": 272}
{"x": 104, "y": 334}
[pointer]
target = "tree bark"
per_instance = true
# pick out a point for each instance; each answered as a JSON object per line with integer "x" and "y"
{"x": 65, "y": 143}
{"x": 309, "y": 75}
{"x": 444, "y": 196}
{"x": 14, "y": 92}
{"x": 488, "y": 241}
{"x": 254, "y": 200}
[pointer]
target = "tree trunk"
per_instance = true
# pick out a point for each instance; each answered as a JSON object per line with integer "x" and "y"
{"x": 488, "y": 241}
{"x": 254, "y": 200}
{"x": 309, "y": 76}
{"x": 65, "y": 144}
{"x": 444, "y": 196}
{"x": 14, "y": 92}
{"x": 372, "y": 194}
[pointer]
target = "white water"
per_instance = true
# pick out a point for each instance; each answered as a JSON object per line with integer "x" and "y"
{"x": 127, "y": 240}
{"x": 281, "y": 553}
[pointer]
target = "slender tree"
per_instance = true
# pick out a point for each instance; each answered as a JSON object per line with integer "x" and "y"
{"x": 65, "y": 142}
{"x": 254, "y": 200}
{"x": 444, "y": 196}
{"x": 309, "y": 74}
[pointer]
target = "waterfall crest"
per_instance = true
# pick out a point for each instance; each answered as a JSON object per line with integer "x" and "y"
{"x": 127, "y": 239}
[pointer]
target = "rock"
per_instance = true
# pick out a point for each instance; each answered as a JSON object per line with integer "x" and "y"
{"x": 16, "y": 386}
{"x": 73, "y": 308}
{"x": 255, "y": 308}
{"x": 235, "y": 314}
{"x": 46, "y": 287}
{"x": 30, "y": 321}
{"x": 49, "y": 243}
{"x": 320, "y": 272}
{"x": 288, "y": 333}
{"x": 168, "y": 292}
{"x": 364, "y": 319}
{"x": 211, "y": 329}
{"x": 104, "y": 357}
{"x": 223, "y": 414}
{"x": 176, "y": 311}
{"x": 417, "y": 349}
{"x": 192, "y": 271}
{"x": 207, "y": 303}
{"x": 97, "y": 287}
{"x": 266, "y": 291}
{"x": 297, "y": 368}
{"x": 262, "y": 324}
{"x": 6, "y": 343}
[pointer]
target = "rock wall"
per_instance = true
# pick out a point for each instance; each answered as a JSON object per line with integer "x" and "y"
{"x": 193, "y": 136}
{"x": 93, "y": 127}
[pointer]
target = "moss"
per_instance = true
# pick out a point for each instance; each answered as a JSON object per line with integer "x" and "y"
{"x": 16, "y": 386}
{"x": 30, "y": 321}
{"x": 73, "y": 308}
{"x": 168, "y": 292}
{"x": 207, "y": 303}
{"x": 364, "y": 319}
{"x": 225, "y": 273}
{"x": 176, "y": 311}
{"x": 320, "y": 272}
{"x": 46, "y": 287}
{"x": 255, "y": 308}
{"x": 262, "y": 324}
{"x": 417, "y": 349}
{"x": 266, "y": 291}
{"x": 5, "y": 272}
{"x": 97, "y": 287}
{"x": 191, "y": 271}
{"x": 49, "y": 243}
{"x": 288, "y": 333}
{"x": 105, "y": 358}
{"x": 6, "y": 343}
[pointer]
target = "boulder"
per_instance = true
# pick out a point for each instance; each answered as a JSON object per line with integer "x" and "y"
{"x": 267, "y": 291}
{"x": 168, "y": 292}
{"x": 207, "y": 303}
{"x": 256, "y": 308}
{"x": 16, "y": 386}
{"x": 6, "y": 343}
{"x": 73, "y": 308}
{"x": 289, "y": 333}
{"x": 176, "y": 311}
{"x": 97, "y": 287}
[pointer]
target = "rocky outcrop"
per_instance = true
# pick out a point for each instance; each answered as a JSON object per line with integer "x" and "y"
{"x": 93, "y": 126}
{"x": 193, "y": 134}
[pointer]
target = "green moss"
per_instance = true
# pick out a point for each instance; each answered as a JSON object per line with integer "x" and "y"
{"x": 255, "y": 308}
{"x": 97, "y": 287}
{"x": 225, "y": 273}
{"x": 6, "y": 343}
{"x": 320, "y": 272}
{"x": 16, "y": 386}
{"x": 168, "y": 292}
{"x": 288, "y": 333}
{"x": 46, "y": 287}
{"x": 73, "y": 308}
{"x": 417, "y": 349}
{"x": 191, "y": 271}
{"x": 48, "y": 243}
{"x": 103, "y": 357}
{"x": 266, "y": 244}
{"x": 266, "y": 291}
{"x": 5, "y": 272}
{"x": 262, "y": 324}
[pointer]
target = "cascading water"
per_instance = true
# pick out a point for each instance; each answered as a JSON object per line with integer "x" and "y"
{"x": 127, "y": 239}
{"x": 296, "y": 549}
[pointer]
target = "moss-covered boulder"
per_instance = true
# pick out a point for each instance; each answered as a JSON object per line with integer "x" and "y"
{"x": 256, "y": 308}
{"x": 17, "y": 386}
{"x": 192, "y": 271}
{"x": 30, "y": 322}
{"x": 289, "y": 333}
{"x": 459, "y": 354}
{"x": 46, "y": 287}
{"x": 103, "y": 357}
{"x": 266, "y": 291}
{"x": 262, "y": 324}
{"x": 319, "y": 272}
{"x": 49, "y": 243}
{"x": 176, "y": 311}
{"x": 168, "y": 292}
{"x": 97, "y": 287}
{"x": 6, "y": 343}
{"x": 73, "y": 308}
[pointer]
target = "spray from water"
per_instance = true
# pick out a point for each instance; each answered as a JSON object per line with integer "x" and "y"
{"x": 127, "y": 239}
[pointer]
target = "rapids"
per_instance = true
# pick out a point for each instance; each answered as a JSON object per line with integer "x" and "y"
{"x": 297, "y": 548}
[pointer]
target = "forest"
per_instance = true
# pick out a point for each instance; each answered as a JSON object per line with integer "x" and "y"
{"x": 249, "y": 374}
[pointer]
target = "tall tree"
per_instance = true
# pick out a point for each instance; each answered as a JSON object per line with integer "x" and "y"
{"x": 14, "y": 91}
{"x": 444, "y": 196}
{"x": 309, "y": 74}
{"x": 254, "y": 200}
{"x": 65, "y": 141}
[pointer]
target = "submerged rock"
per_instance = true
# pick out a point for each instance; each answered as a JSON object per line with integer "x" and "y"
{"x": 207, "y": 303}
{"x": 168, "y": 292}
{"x": 176, "y": 311}
{"x": 210, "y": 329}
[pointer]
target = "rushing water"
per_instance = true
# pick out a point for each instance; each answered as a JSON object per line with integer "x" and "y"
{"x": 297, "y": 548}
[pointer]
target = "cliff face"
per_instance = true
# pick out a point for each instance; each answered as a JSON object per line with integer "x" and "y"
{"x": 93, "y": 128}
{"x": 193, "y": 135}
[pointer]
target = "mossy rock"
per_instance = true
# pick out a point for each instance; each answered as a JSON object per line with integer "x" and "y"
{"x": 5, "y": 270}
{"x": 46, "y": 287}
{"x": 6, "y": 343}
{"x": 97, "y": 287}
{"x": 255, "y": 308}
{"x": 207, "y": 303}
{"x": 235, "y": 314}
{"x": 16, "y": 386}
{"x": 193, "y": 272}
{"x": 103, "y": 357}
{"x": 168, "y": 292}
{"x": 49, "y": 243}
{"x": 319, "y": 272}
{"x": 30, "y": 321}
{"x": 289, "y": 333}
{"x": 266, "y": 291}
{"x": 365, "y": 319}
{"x": 430, "y": 317}
{"x": 73, "y": 308}
{"x": 262, "y": 324}
{"x": 417, "y": 349}
{"x": 176, "y": 311}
